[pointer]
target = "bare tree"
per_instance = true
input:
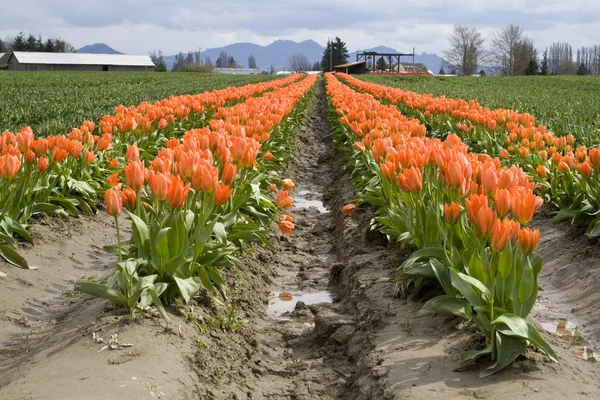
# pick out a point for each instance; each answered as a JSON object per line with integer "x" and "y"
{"x": 512, "y": 50}
{"x": 466, "y": 49}
{"x": 299, "y": 62}
{"x": 559, "y": 54}
{"x": 252, "y": 62}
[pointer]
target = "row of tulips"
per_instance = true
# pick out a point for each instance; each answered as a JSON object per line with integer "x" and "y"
{"x": 195, "y": 204}
{"x": 566, "y": 173}
{"x": 64, "y": 174}
{"x": 463, "y": 214}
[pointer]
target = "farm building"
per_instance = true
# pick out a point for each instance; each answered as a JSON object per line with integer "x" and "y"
{"x": 357, "y": 67}
{"x": 34, "y": 61}
{"x": 237, "y": 71}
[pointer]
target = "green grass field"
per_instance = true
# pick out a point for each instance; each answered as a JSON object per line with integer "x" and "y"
{"x": 55, "y": 102}
{"x": 565, "y": 104}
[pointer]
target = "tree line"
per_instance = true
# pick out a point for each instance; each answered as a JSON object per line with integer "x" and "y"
{"x": 29, "y": 42}
{"x": 511, "y": 52}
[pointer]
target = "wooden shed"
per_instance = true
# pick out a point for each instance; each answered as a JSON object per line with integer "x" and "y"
{"x": 38, "y": 61}
{"x": 357, "y": 67}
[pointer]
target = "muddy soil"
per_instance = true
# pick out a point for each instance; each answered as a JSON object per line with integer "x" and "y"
{"x": 318, "y": 316}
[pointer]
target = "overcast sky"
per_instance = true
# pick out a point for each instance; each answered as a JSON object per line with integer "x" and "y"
{"x": 141, "y": 26}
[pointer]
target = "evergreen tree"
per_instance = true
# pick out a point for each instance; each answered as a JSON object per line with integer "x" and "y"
{"x": 482, "y": 73}
{"x": 231, "y": 63}
{"x": 532, "y": 68}
{"x": 316, "y": 66}
{"x": 208, "y": 62}
{"x": 381, "y": 64}
{"x": 582, "y": 70}
{"x": 252, "y": 62}
{"x": 222, "y": 60}
{"x": 3, "y": 47}
{"x": 18, "y": 43}
{"x": 335, "y": 53}
{"x": 544, "y": 70}
{"x": 442, "y": 72}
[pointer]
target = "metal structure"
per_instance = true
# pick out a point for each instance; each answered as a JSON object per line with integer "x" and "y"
{"x": 372, "y": 56}
{"x": 39, "y": 61}
{"x": 237, "y": 71}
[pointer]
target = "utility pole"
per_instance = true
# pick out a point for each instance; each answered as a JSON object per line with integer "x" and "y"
{"x": 413, "y": 55}
{"x": 200, "y": 55}
{"x": 330, "y": 55}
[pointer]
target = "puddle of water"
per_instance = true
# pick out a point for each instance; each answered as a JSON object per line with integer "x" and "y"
{"x": 323, "y": 257}
{"x": 569, "y": 332}
{"x": 283, "y": 302}
{"x": 300, "y": 203}
{"x": 303, "y": 193}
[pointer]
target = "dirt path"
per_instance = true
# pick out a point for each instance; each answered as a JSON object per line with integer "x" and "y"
{"x": 318, "y": 316}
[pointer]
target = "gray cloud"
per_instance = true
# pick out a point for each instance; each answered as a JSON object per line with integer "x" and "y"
{"x": 141, "y": 26}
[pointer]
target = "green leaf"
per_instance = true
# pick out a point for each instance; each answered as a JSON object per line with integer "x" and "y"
{"x": 508, "y": 348}
{"x": 157, "y": 302}
{"x": 205, "y": 279}
{"x": 13, "y": 257}
{"x": 215, "y": 276}
{"x": 522, "y": 328}
{"x": 161, "y": 242}
{"x": 188, "y": 287}
{"x": 469, "y": 357}
{"x": 448, "y": 305}
{"x": 98, "y": 290}
{"x": 141, "y": 235}
{"x": 219, "y": 230}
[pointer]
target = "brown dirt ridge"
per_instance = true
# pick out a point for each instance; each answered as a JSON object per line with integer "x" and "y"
{"x": 318, "y": 316}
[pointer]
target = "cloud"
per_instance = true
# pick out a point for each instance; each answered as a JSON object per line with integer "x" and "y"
{"x": 142, "y": 26}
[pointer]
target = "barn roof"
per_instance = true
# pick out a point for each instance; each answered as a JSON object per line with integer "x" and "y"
{"x": 25, "y": 57}
{"x": 4, "y": 59}
{"x": 350, "y": 64}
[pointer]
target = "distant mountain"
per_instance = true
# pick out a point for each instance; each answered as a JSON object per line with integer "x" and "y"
{"x": 275, "y": 54}
{"x": 98, "y": 48}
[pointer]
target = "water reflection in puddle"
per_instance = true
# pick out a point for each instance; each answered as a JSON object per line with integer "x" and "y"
{"x": 569, "y": 332}
{"x": 285, "y": 302}
{"x": 300, "y": 203}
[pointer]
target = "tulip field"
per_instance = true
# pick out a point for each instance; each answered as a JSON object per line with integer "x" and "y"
{"x": 196, "y": 172}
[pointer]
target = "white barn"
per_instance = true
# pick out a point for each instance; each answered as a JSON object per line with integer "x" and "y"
{"x": 38, "y": 61}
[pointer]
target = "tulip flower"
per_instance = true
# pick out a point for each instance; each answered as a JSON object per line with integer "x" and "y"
{"x": 42, "y": 164}
{"x": 177, "y": 191}
{"x": 489, "y": 180}
{"x": 89, "y": 157}
{"x": 222, "y": 194}
{"x": 129, "y": 197}
{"x": 542, "y": 171}
{"x": 112, "y": 201}
{"x": 228, "y": 175}
{"x": 287, "y": 184}
{"x": 134, "y": 175}
{"x": 29, "y": 157}
{"x": 284, "y": 200}
{"x": 452, "y": 213}
{"x": 113, "y": 179}
{"x": 286, "y": 224}
{"x": 349, "y": 209}
{"x": 522, "y": 205}
{"x": 268, "y": 156}
{"x": 500, "y": 235}
{"x": 11, "y": 166}
{"x": 502, "y": 202}
{"x": 133, "y": 154}
{"x": 528, "y": 240}
{"x": 585, "y": 169}
{"x": 159, "y": 185}
{"x": 485, "y": 221}
{"x": 474, "y": 204}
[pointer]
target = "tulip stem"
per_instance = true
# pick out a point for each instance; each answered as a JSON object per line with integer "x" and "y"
{"x": 118, "y": 240}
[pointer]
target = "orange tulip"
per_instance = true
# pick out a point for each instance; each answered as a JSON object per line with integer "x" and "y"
{"x": 287, "y": 184}
{"x": 349, "y": 209}
{"x": 563, "y": 166}
{"x": 112, "y": 200}
{"x": 485, "y": 221}
{"x": 489, "y": 180}
{"x": 159, "y": 185}
{"x": 59, "y": 155}
{"x": 113, "y": 179}
{"x": 474, "y": 204}
{"x": 410, "y": 180}
{"x": 452, "y": 213}
{"x": 523, "y": 205}
{"x": 128, "y": 196}
{"x": 228, "y": 175}
{"x": 585, "y": 169}
{"x": 222, "y": 194}
{"x": 42, "y": 164}
{"x": 24, "y": 139}
{"x": 177, "y": 192}
{"x": 41, "y": 146}
{"x": 595, "y": 157}
{"x": 133, "y": 154}
{"x": 503, "y": 154}
{"x": 454, "y": 175}
{"x": 286, "y": 224}
{"x": 528, "y": 240}
{"x": 502, "y": 202}
{"x": 89, "y": 157}
{"x": 272, "y": 187}
{"x": 284, "y": 200}
{"x": 542, "y": 171}
{"x": 239, "y": 148}
{"x": 388, "y": 170}
{"x": 501, "y": 233}
{"x": 11, "y": 166}
{"x": 134, "y": 175}
{"x": 29, "y": 157}
{"x": 268, "y": 156}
